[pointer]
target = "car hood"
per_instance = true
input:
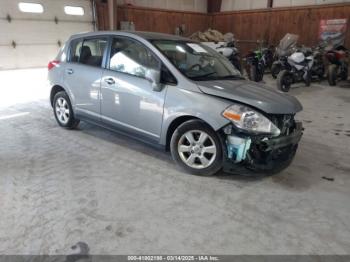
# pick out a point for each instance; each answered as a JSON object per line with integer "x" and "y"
{"x": 252, "y": 94}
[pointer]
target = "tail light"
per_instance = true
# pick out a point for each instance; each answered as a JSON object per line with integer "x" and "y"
{"x": 52, "y": 64}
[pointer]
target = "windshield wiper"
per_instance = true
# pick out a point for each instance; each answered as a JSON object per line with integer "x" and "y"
{"x": 228, "y": 77}
{"x": 202, "y": 76}
{"x": 233, "y": 77}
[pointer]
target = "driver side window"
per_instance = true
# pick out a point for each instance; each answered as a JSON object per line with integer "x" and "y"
{"x": 182, "y": 56}
{"x": 131, "y": 57}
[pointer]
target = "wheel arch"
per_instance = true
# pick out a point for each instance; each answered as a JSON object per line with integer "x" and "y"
{"x": 58, "y": 88}
{"x": 54, "y": 90}
{"x": 175, "y": 123}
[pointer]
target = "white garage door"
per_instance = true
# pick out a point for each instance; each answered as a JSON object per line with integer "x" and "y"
{"x": 32, "y": 31}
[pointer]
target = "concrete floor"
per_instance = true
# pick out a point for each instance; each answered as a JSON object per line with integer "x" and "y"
{"x": 58, "y": 187}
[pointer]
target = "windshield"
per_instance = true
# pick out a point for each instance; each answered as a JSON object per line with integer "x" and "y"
{"x": 287, "y": 44}
{"x": 197, "y": 61}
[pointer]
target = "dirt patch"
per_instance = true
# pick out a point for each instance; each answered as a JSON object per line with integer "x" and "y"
{"x": 292, "y": 181}
{"x": 346, "y": 99}
{"x": 340, "y": 167}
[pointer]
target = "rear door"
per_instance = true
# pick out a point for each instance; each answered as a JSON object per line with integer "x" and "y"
{"x": 83, "y": 74}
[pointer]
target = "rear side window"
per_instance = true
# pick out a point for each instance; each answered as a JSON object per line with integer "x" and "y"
{"x": 75, "y": 50}
{"x": 88, "y": 52}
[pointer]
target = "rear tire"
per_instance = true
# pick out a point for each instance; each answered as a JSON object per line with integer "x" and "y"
{"x": 332, "y": 75}
{"x": 284, "y": 81}
{"x": 63, "y": 111}
{"x": 196, "y": 148}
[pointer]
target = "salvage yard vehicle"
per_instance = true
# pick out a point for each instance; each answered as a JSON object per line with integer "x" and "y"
{"x": 285, "y": 48}
{"x": 338, "y": 64}
{"x": 318, "y": 68}
{"x": 177, "y": 94}
{"x": 228, "y": 49}
{"x": 299, "y": 70}
{"x": 257, "y": 62}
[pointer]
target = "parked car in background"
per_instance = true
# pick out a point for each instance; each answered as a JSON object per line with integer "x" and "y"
{"x": 177, "y": 94}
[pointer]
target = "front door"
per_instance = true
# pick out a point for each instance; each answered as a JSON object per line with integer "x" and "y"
{"x": 83, "y": 75}
{"x": 128, "y": 100}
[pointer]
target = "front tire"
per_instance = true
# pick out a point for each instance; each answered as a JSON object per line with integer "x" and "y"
{"x": 275, "y": 69}
{"x": 332, "y": 75}
{"x": 196, "y": 148}
{"x": 307, "y": 79}
{"x": 284, "y": 81}
{"x": 63, "y": 111}
{"x": 321, "y": 72}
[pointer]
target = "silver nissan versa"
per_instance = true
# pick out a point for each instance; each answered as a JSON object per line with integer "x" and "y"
{"x": 177, "y": 94}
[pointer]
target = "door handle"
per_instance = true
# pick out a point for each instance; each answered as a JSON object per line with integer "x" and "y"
{"x": 110, "y": 81}
{"x": 70, "y": 71}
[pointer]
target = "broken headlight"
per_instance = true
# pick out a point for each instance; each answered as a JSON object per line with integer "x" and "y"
{"x": 248, "y": 119}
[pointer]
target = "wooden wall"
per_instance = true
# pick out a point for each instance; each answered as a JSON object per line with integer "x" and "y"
{"x": 102, "y": 15}
{"x": 164, "y": 21}
{"x": 271, "y": 25}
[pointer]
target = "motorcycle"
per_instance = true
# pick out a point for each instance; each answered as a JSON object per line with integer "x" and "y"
{"x": 300, "y": 70}
{"x": 231, "y": 53}
{"x": 257, "y": 62}
{"x": 286, "y": 47}
{"x": 318, "y": 68}
{"x": 338, "y": 67}
{"x": 228, "y": 49}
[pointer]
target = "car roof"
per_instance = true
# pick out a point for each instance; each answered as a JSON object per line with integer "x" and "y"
{"x": 142, "y": 34}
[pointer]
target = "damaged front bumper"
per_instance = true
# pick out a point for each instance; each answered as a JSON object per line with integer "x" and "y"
{"x": 263, "y": 154}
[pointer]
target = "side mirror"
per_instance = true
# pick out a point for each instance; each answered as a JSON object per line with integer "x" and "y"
{"x": 153, "y": 76}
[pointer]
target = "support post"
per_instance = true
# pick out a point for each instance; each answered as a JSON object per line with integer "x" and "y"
{"x": 269, "y": 3}
{"x": 112, "y": 14}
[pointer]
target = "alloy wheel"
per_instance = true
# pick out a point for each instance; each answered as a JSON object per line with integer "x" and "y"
{"x": 197, "y": 149}
{"x": 62, "y": 110}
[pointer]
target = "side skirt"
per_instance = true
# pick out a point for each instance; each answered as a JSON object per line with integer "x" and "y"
{"x": 139, "y": 138}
